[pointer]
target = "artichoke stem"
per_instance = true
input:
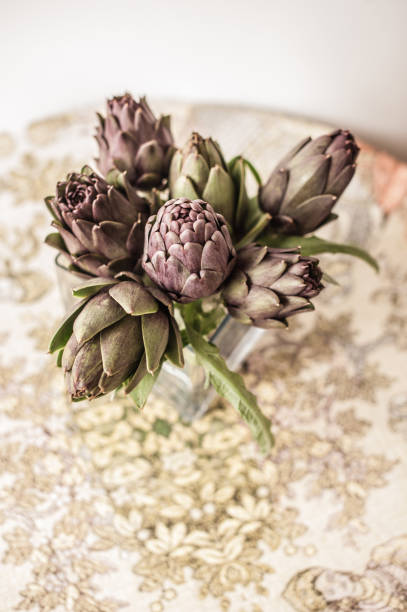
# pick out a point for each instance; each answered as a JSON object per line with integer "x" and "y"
{"x": 255, "y": 231}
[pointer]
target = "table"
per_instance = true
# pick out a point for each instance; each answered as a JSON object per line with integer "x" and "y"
{"x": 103, "y": 509}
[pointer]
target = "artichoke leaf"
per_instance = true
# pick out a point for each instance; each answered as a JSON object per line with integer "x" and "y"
{"x": 133, "y": 298}
{"x": 140, "y": 393}
{"x": 64, "y": 331}
{"x": 174, "y": 351}
{"x": 138, "y": 375}
{"x": 248, "y": 212}
{"x": 329, "y": 279}
{"x": 92, "y": 286}
{"x": 101, "y": 311}
{"x": 48, "y": 200}
{"x": 220, "y": 192}
{"x": 55, "y": 241}
{"x": 261, "y": 223}
{"x": 312, "y": 245}
{"x": 121, "y": 345}
{"x": 205, "y": 322}
{"x": 59, "y": 358}
{"x": 155, "y": 328}
{"x": 230, "y": 385}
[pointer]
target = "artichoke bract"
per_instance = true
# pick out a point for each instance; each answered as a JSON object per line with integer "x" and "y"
{"x": 100, "y": 229}
{"x": 188, "y": 250}
{"x": 117, "y": 335}
{"x": 132, "y": 140}
{"x": 305, "y": 185}
{"x": 200, "y": 171}
{"x": 268, "y": 285}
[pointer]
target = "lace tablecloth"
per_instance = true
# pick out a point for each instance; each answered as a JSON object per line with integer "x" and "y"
{"x": 103, "y": 509}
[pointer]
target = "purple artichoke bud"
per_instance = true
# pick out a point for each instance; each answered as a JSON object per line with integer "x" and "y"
{"x": 268, "y": 285}
{"x": 100, "y": 229}
{"x": 119, "y": 335}
{"x": 132, "y": 139}
{"x": 303, "y": 188}
{"x": 188, "y": 251}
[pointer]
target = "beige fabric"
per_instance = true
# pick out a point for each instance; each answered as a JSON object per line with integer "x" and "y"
{"x": 99, "y": 511}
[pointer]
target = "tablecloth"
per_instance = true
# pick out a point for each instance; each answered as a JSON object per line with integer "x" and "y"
{"x": 103, "y": 509}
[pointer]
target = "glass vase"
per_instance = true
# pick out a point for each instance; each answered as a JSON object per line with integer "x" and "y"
{"x": 187, "y": 389}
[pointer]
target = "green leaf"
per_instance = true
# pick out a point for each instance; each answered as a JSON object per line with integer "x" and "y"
{"x": 238, "y": 172}
{"x": 231, "y": 163}
{"x": 174, "y": 351}
{"x": 329, "y": 279}
{"x": 230, "y": 385}
{"x": 113, "y": 177}
{"x": 133, "y": 298}
{"x": 64, "y": 331}
{"x": 155, "y": 328}
{"x": 86, "y": 170}
{"x": 140, "y": 394}
{"x": 248, "y": 212}
{"x": 246, "y": 162}
{"x": 257, "y": 228}
{"x": 203, "y": 322}
{"x": 312, "y": 245}
{"x": 137, "y": 375}
{"x": 59, "y": 358}
{"x": 253, "y": 170}
{"x": 92, "y": 286}
{"x": 184, "y": 336}
{"x": 55, "y": 241}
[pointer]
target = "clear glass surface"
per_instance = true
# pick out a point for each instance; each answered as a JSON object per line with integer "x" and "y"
{"x": 187, "y": 389}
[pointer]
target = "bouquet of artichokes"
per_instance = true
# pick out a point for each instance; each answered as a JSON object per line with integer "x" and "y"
{"x": 160, "y": 229}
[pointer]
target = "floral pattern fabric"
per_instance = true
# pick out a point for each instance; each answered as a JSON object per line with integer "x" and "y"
{"x": 103, "y": 509}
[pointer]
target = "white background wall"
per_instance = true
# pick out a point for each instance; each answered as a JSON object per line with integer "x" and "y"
{"x": 344, "y": 61}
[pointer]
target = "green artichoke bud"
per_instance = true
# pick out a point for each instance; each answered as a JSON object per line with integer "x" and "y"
{"x": 199, "y": 171}
{"x": 303, "y": 188}
{"x": 100, "y": 229}
{"x": 117, "y": 335}
{"x": 268, "y": 285}
{"x": 132, "y": 140}
{"x": 188, "y": 251}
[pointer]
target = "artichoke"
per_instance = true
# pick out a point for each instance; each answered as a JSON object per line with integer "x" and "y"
{"x": 200, "y": 171}
{"x": 100, "y": 229}
{"x": 268, "y": 285}
{"x": 116, "y": 335}
{"x": 188, "y": 251}
{"x": 132, "y": 140}
{"x": 303, "y": 188}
